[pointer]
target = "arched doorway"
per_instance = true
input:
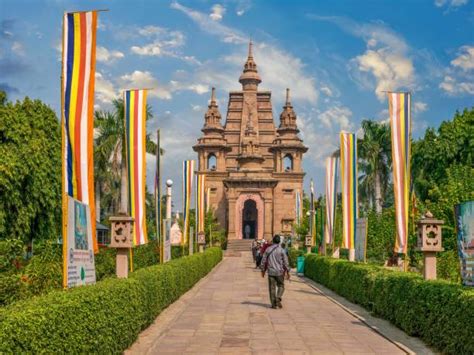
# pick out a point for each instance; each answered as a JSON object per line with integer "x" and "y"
{"x": 253, "y": 203}
{"x": 249, "y": 220}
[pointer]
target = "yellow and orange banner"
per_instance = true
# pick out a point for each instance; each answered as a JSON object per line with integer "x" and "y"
{"x": 399, "y": 104}
{"x": 349, "y": 188}
{"x": 135, "y": 142}
{"x": 188, "y": 176}
{"x": 77, "y": 116}
{"x": 200, "y": 202}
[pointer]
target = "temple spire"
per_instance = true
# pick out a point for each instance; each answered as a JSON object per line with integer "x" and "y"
{"x": 250, "y": 78}
{"x": 288, "y": 103}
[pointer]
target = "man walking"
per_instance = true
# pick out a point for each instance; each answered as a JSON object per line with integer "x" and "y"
{"x": 275, "y": 262}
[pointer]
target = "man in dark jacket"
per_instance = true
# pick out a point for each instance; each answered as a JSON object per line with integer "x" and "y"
{"x": 275, "y": 262}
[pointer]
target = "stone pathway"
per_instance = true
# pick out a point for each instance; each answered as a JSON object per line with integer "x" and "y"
{"x": 228, "y": 312}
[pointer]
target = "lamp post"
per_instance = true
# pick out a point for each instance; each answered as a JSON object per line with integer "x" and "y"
{"x": 309, "y": 237}
{"x": 429, "y": 241}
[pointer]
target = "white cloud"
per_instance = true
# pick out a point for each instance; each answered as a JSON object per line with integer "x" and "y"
{"x": 105, "y": 91}
{"x": 242, "y": 6}
{"x": 419, "y": 107}
{"x": 18, "y": 48}
{"x": 144, "y": 79}
{"x": 278, "y": 68}
{"x": 165, "y": 42}
{"x": 450, "y": 3}
{"x": 217, "y": 13}
{"x": 386, "y": 64}
{"x": 107, "y": 56}
{"x": 152, "y": 49}
{"x": 326, "y": 91}
{"x": 336, "y": 117}
{"x": 196, "y": 107}
{"x": 465, "y": 58}
{"x": 458, "y": 78}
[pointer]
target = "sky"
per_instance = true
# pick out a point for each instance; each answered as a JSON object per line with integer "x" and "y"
{"x": 337, "y": 57}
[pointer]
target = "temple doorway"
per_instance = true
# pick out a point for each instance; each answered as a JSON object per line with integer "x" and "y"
{"x": 249, "y": 220}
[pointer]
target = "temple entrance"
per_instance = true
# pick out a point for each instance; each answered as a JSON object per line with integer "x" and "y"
{"x": 249, "y": 220}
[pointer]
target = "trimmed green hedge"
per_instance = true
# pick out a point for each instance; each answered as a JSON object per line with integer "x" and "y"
{"x": 439, "y": 312}
{"x": 103, "y": 318}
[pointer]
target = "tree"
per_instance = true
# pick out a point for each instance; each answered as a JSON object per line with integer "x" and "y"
{"x": 110, "y": 168}
{"x": 30, "y": 171}
{"x": 374, "y": 163}
{"x": 451, "y": 144}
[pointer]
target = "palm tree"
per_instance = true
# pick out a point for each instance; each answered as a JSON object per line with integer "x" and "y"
{"x": 374, "y": 151}
{"x": 111, "y": 169}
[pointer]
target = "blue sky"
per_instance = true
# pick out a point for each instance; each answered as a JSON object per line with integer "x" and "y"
{"x": 336, "y": 56}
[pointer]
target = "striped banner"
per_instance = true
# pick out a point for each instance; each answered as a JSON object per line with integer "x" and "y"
{"x": 208, "y": 199}
{"x": 158, "y": 218}
{"x": 312, "y": 220}
{"x": 331, "y": 197}
{"x": 349, "y": 188}
{"x": 188, "y": 176}
{"x": 77, "y": 117}
{"x": 135, "y": 140}
{"x": 200, "y": 203}
{"x": 399, "y": 105}
{"x": 298, "y": 207}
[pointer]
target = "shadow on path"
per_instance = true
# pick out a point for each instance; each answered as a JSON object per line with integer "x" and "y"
{"x": 265, "y": 305}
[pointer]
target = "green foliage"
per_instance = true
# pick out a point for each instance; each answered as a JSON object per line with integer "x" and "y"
{"x": 11, "y": 254}
{"x": 447, "y": 266}
{"x": 105, "y": 263}
{"x": 30, "y": 171}
{"x": 293, "y": 255}
{"x": 451, "y": 144}
{"x": 146, "y": 255}
{"x": 440, "y": 313}
{"x": 103, "y": 318}
{"x": 380, "y": 235}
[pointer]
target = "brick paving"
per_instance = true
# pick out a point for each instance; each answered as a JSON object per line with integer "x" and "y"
{"x": 228, "y": 312}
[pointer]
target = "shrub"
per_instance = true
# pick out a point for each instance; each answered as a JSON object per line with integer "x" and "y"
{"x": 439, "y": 312}
{"x": 103, "y": 318}
{"x": 146, "y": 255}
{"x": 293, "y": 255}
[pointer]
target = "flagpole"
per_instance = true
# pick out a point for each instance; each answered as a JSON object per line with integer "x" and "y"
{"x": 158, "y": 195}
{"x": 63, "y": 168}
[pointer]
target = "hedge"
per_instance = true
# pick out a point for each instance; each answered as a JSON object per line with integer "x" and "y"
{"x": 439, "y": 312}
{"x": 103, "y": 318}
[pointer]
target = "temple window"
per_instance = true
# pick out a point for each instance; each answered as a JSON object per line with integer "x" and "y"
{"x": 211, "y": 162}
{"x": 288, "y": 163}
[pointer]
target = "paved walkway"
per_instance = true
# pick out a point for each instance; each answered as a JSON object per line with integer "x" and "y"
{"x": 228, "y": 312}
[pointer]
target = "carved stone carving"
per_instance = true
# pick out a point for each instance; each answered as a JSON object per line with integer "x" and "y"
{"x": 121, "y": 232}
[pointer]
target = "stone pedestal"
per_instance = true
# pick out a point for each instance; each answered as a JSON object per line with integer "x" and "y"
{"x": 351, "y": 254}
{"x": 121, "y": 263}
{"x": 429, "y": 268}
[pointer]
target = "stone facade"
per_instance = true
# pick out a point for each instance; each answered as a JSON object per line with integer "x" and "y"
{"x": 252, "y": 168}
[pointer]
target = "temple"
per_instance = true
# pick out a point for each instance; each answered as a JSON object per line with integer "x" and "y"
{"x": 253, "y": 169}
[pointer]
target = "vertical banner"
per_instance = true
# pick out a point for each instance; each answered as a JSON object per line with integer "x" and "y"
{"x": 464, "y": 214}
{"x": 208, "y": 199}
{"x": 77, "y": 118}
{"x": 188, "y": 177}
{"x": 399, "y": 105}
{"x": 166, "y": 234}
{"x": 200, "y": 203}
{"x": 312, "y": 219}
{"x": 349, "y": 188}
{"x": 298, "y": 208}
{"x": 361, "y": 239}
{"x": 135, "y": 142}
{"x": 158, "y": 190}
{"x": 331, "y": 197}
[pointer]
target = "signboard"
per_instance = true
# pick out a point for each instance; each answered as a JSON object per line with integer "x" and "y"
{"x": 79, "y": 258}
{"x": 464, "y": 213}
{"x": 167, "y": 240}
{"x": 361, "y": 239}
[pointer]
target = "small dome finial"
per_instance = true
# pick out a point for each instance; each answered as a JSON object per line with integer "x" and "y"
{"x": 287, "y": 96}
{"x": 213, "y": 95}
{"x": 250, "y": 48}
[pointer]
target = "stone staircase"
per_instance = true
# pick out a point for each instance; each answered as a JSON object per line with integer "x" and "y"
{"x": 236, "y": 246}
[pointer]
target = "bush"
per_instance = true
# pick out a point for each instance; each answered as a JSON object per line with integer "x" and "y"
{"x": 293, "y": 255}
{"x": 102, "y": 318}
{"x": 146, "y": 255}
{"x": 439, "y": 312}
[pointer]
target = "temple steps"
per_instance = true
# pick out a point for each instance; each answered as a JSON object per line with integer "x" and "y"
{"x": 236, "y": 246}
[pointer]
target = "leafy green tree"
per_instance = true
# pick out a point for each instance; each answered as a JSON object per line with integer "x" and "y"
{"x": 30, "y": 171}
{"x": 110, "y": 168}
{"x": 374, "y": 155}
{"x": 451, "y": 144}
